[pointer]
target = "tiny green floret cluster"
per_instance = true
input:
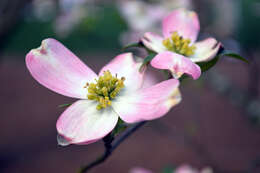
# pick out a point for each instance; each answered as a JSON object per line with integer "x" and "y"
{"x": 178, "y": 44}
{"x": 105, "y": 89}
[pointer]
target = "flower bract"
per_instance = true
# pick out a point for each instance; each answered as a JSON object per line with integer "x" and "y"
{"x": 180, "y": 30}
{"x": 116, "y": 92}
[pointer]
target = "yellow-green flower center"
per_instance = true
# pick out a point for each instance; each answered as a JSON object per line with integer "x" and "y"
{"x": 178, "y": 44}
{"x": 105, "y": 89}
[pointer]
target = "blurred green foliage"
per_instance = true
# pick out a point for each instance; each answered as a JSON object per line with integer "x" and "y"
{"x": 168, "y": 169}
{"x": 249, "y": 24}
{"x": 95, "y": 33}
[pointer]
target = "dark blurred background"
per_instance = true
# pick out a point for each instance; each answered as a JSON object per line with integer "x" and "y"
{"x": 217, "y": 124}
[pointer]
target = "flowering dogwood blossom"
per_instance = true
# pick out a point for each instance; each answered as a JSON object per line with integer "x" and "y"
{"x": 177, "y": 48}
{"x": 115, "y": 92}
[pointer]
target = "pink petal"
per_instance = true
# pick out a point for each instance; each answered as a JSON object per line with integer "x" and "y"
{"x": 153, "y": 42}
{"x": 185, "y": 22}
{"x": 58, "y": 69}
{"x": 177, "y": 64}
{"x": 151, "y": 77}
{"x": 82, "y": 123}
{"x": 140, "y": 170}
{"x": 124, "y": 65}
{"x": 148, "y": 103}
{"x": 206, "y": 50}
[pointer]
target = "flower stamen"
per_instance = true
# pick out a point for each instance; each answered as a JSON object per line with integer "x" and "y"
{"x": 178, "y": 44}
{"x": 105, "y": 89}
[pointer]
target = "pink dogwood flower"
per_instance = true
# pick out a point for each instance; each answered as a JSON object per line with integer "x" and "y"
{"x": 177, "y": 49}
{"x": 115, "y": 92}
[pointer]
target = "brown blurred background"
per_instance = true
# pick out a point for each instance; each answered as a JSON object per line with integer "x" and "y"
{"x": 217, "y": 124}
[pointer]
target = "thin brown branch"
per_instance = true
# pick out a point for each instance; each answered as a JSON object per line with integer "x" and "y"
{"x": 110, "y": 145}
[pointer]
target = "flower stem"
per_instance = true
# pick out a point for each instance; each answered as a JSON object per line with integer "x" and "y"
{"x": 111, "y": 144}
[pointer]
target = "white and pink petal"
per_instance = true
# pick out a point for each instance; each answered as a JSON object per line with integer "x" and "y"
{"x": 57, "y": 68}
{"x": 152, "y": 76}
{"x": 177, "y": 64}
{"x": 205, "y": 50}
{"x": 147, "y": 103}
{"x": 125, "y": 66}
{"x": 153, "y": 42}
{"x": 183, "y": 21}
{"x": 82, "y": 123}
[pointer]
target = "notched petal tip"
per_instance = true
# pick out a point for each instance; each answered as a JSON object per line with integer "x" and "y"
{"x": 62, "y": 141}
{"x": 57, "y": 68}
{"x": 42, "y": 49}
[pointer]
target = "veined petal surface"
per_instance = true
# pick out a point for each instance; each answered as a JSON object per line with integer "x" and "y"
{"x": 57, "y": 68}
{"x": 177, "y": 64}
{"x": 205, "y": 50}
{"x": 148, "y": 103}
{"x": 124, "y": 65}
{"x": 82, "y": 123}
{"x": 185, "y": 22}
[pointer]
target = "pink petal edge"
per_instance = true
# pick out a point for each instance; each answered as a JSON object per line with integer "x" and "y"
{"x": 148, "y": 103}
{"x": 82, "y": 123}
{"x": 206, "y": 50}
{"x": 185, "y": 22}
{"x": 176, "y": 63}
{"x": 57, "y": 68}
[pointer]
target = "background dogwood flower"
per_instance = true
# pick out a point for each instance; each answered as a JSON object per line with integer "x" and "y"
{"x": 177, "y": 48}
{"x": 180, "y": 30}
{"x": 115, "y": 92}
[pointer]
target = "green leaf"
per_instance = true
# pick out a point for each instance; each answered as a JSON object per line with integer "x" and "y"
{"x": 147, "y": 60}
{"x": 233, "y": 55}
{"x": 65, "y": 105}
{"x": 205, "y": 66}
{"x": 132, "y": 45}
